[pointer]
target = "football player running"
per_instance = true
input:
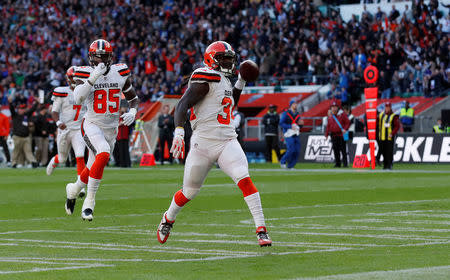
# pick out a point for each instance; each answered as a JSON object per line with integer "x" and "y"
{"x": 100, "y": 86}
{"x": 211, "y": 97}
{"x": 68, "y": 116}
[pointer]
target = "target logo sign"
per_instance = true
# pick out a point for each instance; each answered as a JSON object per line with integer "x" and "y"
{"x": 371, "y": 74}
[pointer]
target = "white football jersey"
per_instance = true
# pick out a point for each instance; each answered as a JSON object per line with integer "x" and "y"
{"x": 211, "y": 117}
{"x": 104, "y": 99}
{"x": 64, "y": 104}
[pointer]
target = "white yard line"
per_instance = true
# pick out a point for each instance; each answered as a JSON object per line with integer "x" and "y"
{"x": 71, "y": 259}
{"x": 410, "y": 273}
{"x": 38, "y": 269}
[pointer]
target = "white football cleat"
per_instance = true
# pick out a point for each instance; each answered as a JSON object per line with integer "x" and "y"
{"x": 70, "y": 202}
{"x": 87, "y": 214}
{"x": 164, "y": 228}
{"x": 51, "y": 166}
{"x": 263, "y": 237}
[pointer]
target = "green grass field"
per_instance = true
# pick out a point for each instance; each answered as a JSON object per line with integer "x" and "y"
{"x": 325, "y": 224}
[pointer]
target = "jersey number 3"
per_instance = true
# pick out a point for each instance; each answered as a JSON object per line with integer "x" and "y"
{"x": 227, "y": 110}
{"x": 101, "y": 98}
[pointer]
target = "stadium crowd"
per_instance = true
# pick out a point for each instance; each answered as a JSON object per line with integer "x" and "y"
{"x": 161, "y": 41}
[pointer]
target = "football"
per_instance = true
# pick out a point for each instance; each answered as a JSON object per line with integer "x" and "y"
{"x": 249, "y": 71}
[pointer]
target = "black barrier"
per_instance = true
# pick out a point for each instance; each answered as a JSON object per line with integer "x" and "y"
{"x": 409, "y": 148}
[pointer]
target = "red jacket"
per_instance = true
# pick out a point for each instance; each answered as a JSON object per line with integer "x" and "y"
{"x": 4, "y": 125}
{"x": 124, "y": 132}
{"x": 333, "y": 128}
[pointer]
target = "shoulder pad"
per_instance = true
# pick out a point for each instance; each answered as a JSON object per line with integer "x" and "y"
{"x": 82, "y": 72}
{"x": 121, "y": 68}
{"x": 60, "y": 92}
{"x": 205, "y": 75}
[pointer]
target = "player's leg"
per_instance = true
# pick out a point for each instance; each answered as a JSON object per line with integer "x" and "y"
{"x": 97, "y": 141}
{"x": 63, "y": 151}
{"x": 198, "y": 163}
{"x": 295, "y": 152}
{"x": 233, "y": 162}
{"x": 79, "y": 147}
{"x": 74, "y": 189}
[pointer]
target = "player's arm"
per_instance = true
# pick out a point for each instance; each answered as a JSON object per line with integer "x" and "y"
{"x": 56, "y": 108}
{"x": 133, "y": 102}
{"x": 194, "y": 94}
{"x": 83, "y": 88}
{"x": 237, "y": 89}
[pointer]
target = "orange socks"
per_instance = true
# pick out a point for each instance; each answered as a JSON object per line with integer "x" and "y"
{"x": 180, "y": 199}
{"x": 101, "y": 160}
{"x": 80, "y": 165}
{"x": 247, "y": 187}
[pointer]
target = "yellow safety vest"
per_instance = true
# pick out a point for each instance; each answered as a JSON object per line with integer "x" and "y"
{"x": 437, "y": 129}
{"x": 385, "y": 126}
{"x": 409, "y": 113}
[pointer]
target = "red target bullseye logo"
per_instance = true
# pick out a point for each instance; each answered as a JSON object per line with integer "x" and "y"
{"x": 371, "y": 74}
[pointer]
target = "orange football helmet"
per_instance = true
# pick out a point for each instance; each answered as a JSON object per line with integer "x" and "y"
{"x": 220, "y": 56}
{"x": 100, "y": 51}
{"x": 69, "y": 76}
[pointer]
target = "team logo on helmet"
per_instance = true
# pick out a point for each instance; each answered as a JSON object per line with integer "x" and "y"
{"x": 100, "y": 51}
{"x": 220, "y": 56}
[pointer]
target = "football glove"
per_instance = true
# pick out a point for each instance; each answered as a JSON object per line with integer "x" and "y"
{"x": 128, "y": 118}
{"x": 99, "y": 70}
{"x": 177, "y": 149}
{"x": 240, "y": 83}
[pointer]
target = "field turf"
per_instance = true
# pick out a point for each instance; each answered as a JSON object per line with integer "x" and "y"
{"x": 325, "y": 224}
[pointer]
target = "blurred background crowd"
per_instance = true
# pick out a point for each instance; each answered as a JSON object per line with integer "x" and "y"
{"x": 161, "y": 41}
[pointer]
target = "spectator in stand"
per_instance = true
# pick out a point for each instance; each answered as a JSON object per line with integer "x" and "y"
{"x": 337, "y": 126}
{"x": 164, "y": 38}
{"x": 4, "y": 133}
{"x": 41, "y": 134}
{"x": 21, "y": 133}
{"x": 290, "y": 122}
{"x": 270, "y": 121}
{"x": 384, "y": 85}
{"x": 122, "y": 147}
{"x": 166, "y": 127}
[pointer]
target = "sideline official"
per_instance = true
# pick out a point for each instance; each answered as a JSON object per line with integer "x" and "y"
{"x": 407, "y": 117}
{"x": 166, "y": 127}
{"x": 388, "y": 125}
{"x": 271, "y": 121}
{"x": 290, "y": 122}
{"x": 337, "y": 126}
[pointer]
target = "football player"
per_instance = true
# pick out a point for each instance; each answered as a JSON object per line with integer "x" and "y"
{"x": 68, "y": 116}
{"x": 100, "y": 86}
{"x": 211, "y": 97}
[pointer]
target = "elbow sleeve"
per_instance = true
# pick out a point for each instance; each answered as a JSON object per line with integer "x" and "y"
{"x": 80, "y": 92}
